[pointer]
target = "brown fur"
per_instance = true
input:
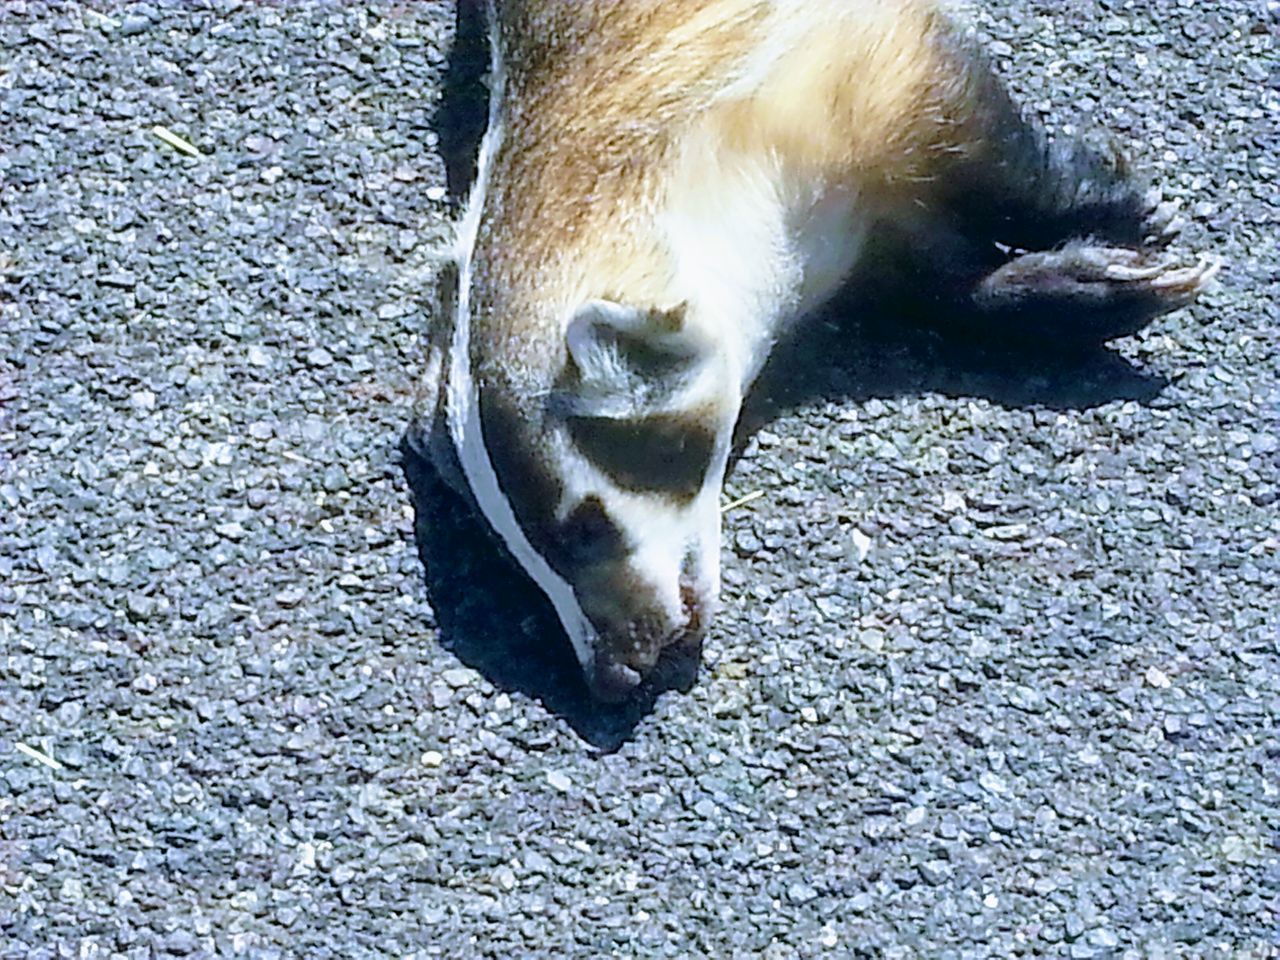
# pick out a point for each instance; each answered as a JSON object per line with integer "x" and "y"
{"x": 600, "y": 96}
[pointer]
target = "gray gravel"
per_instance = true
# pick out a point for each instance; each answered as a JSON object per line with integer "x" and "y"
{"x": 996, "y": 673}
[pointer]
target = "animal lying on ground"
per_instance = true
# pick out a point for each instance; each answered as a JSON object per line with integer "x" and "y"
{"x": 663, "y": 189}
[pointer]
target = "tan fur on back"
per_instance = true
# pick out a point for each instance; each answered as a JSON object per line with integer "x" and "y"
{"x": 600, "y": 96}
{"x": 850, "y": 100}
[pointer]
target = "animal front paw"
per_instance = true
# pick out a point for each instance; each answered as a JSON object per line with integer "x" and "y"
{"x": 1087, "y": 292}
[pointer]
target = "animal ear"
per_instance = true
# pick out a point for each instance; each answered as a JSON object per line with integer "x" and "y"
{"x": 626, "y": 361}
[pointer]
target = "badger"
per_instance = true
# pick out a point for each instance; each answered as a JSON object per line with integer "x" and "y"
{"x": 663, "y": 189}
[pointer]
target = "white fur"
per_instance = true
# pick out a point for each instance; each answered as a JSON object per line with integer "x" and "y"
{"x": 463, "y": 400}
{"x": 753, "y": 249}
{"x": 785, "y": 33}
{"x": 660, "y": 539}
{"x": 750, "y": 254}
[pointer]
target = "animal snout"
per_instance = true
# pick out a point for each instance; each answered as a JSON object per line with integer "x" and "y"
{"x": 612, "y": 681}
{"x": 636, "y": 622}
{"x": 622, "y": 662}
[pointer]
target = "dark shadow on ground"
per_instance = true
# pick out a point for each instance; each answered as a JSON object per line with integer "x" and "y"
{"x": 464, "y": 101}
{"x": 872, "y": 341}
{"x": 497, "y": 622}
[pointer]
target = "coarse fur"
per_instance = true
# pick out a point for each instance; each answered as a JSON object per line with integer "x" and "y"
{"x": 662, "y": 190}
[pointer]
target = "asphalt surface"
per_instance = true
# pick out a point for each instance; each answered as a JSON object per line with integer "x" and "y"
{"x": 996, "y": 673}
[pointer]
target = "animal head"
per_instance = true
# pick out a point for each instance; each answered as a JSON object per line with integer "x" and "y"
{"x": 584, "y": 381}
{"x": 601, "y": 472}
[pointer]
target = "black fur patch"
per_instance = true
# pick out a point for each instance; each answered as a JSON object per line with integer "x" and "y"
{"x": 590, "y": 537}
{"x": 990, "y": 240}
{"x": 1018, "y": 187}
{"x": 667, "y": 454}
{"x": 528, "y": 479}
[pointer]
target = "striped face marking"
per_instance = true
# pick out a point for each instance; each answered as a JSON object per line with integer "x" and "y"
{"x": 665, "y": 454}
{"x": 607, "y": 494}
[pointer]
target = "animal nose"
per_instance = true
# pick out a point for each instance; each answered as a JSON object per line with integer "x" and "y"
{"x": 611, "y": 681}
{"x": 618, "y": 671}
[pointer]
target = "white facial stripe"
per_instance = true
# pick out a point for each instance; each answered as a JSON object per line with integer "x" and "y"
{"x": 497, "y": 510}
{"x": 463, "y": 400}
{"x": 661, "y": 533}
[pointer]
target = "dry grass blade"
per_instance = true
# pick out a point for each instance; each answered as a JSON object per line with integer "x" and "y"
{"x": 109, "y": 23}
{"x": 175, "y": 141}
{"x": 742, "y": 501}
{"x": 38, "y": 755}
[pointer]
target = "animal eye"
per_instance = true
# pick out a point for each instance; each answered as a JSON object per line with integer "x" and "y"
{"x": 666, "y": 454}
{"x": 588, "y": 535}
